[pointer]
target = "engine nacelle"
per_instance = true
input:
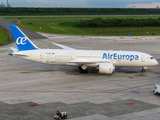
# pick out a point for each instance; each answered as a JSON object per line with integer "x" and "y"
{"x": 107, "y": 68}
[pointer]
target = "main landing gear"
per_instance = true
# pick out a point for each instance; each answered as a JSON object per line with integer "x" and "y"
{"x": 143, "y": 69}
{"x": 83, "y": 69}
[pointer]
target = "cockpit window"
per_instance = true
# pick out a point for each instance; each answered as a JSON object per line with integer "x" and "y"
{"x": 151, "y": 58}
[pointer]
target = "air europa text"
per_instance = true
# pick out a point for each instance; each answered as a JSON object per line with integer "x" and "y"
{"x": 117, "y": 56}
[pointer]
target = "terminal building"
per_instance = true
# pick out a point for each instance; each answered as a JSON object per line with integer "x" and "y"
{"x": 8, "y": 5}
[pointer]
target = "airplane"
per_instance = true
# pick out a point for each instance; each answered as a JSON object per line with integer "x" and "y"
{"x": 105, "y": 61}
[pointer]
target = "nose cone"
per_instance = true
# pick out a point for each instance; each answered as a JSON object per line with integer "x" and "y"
{"x": 155, "y": 62}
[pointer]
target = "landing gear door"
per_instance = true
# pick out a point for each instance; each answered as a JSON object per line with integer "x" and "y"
{"x": 142, "y": 58}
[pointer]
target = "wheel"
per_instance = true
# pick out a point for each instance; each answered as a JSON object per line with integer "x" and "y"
{"x": 155, "y": 93}
{"x": 81, "y": 71}
{"x": 85, "y": 71}
{"x": 143, "y": 70}
{"x": 79, "y": 68}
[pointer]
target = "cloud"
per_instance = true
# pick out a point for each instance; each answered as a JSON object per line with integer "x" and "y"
{"x": 144, "y": 5}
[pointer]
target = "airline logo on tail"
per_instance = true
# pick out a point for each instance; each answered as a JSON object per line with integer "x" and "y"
{"x": 22, "y": 41}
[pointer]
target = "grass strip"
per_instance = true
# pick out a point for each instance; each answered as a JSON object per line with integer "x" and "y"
{"x": 3, "y": 37}
{"x": 83, "y": 17}
{"x": 57, "y": 27}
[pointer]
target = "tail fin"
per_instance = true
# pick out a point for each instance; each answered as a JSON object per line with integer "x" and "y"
{"x": 22, "y": 41}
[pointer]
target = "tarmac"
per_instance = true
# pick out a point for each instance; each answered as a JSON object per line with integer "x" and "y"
{"x": 35, "y": 91}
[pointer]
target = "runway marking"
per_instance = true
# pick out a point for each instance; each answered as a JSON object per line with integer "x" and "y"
{"x": 1, "y": 67}
{"x": 76, "y": 92}
{"x": 4, "y": 49}
{"x": 3, "y": 58}
{"x": 133, "y": 87}
{"x": 33, "y": 105}
{"x": 131, "y": 103}
{"x": 138, "y": 39}
{"x": 130, "y": 77}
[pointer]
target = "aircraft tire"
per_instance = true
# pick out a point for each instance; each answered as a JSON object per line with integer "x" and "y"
{"x": 83, "y": 71}
{"x": 143, "y": 70}
{"x": 155, "y": 93}
{"x": 59, "y": 118}
{"x": 79, "y": 67}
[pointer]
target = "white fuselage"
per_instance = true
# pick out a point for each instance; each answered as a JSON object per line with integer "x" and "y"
{"x": 105, "y": 61}
{"x": 89, "y": 57}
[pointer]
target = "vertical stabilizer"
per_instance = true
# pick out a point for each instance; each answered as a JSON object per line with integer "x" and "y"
{"x": 22, "y": 41}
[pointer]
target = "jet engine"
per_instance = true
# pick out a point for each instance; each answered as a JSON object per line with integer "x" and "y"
{"x": 107, "y": 68}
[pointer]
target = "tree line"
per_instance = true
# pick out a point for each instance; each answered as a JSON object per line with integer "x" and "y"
{"x": 78, "y": 11}
{"x": 99, "y": 22}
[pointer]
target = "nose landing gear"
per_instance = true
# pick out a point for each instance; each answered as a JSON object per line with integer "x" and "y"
{"x": 143, "y": 69}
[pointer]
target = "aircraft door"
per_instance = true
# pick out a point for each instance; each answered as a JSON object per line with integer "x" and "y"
{"x": 142, "y": 58}
{"x": 72, "y": 56}
{"x": 41, "y": 55}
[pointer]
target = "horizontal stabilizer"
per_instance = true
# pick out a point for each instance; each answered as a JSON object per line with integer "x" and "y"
{"x": 14, "y": 49}
{"x": 21, "y": 54}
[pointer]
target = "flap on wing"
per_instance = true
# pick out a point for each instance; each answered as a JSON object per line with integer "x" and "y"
{"x": 63, "y": 46}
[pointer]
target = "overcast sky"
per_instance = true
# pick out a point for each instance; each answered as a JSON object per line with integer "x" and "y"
{"x": 84, "y": 3}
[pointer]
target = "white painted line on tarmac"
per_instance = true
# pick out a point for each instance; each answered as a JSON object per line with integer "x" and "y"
{"x": 3, "y": 58}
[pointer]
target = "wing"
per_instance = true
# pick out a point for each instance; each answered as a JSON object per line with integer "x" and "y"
{"x": 87, "y": 62}
{"x": 63, "y": 46}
